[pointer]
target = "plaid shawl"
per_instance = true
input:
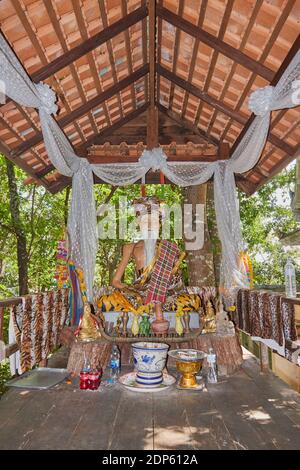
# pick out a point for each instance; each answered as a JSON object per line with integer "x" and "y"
{"x": 162, "y": 272}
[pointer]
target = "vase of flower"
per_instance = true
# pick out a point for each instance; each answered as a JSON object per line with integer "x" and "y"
{"x": 135, "y": 325}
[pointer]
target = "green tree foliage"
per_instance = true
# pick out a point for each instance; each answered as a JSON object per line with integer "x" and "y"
{"x": 266, "y": 217}
{"x": 42, "y": 216}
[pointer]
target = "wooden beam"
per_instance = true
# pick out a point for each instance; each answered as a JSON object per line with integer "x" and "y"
{"x": 172, "y": 77}
{"x": 152, "y": 50}
{"x": 90, "y": 44}
{"x": 90, "y": 58}
{"x": 152, "y": 127}
{"x": 175, "y": 53}
{"x": 56, "y": 24}
{"x": 5, "y": 151}
{"x": 221, "y": 106}
{"x": 86, "y": 107}
{"x": 152, "y": 113}
{"x": 215, "y": 43}
{"x": 224, "y": 151}
{"x": 194, "y": 55}
{"x": 277, "y": 168}
{"x": 100, "y": 138}
{"x": 110, "y": 51}
{"x": 186, "y": 124}
{"x": 107, "y": 159}
{"x": 145, "y": 50}
{"x": 245, "y": 185}
{"x": 151, "y": 178}
{"x": 292, "y": 52}
{"x": 215, "y": 55}
{"x": 255, "y": 11}
{"x": 60, "y": 184}
{"x": 128, "y": 52}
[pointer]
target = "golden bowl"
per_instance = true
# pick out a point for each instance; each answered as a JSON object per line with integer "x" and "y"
{"x": 188, "y": 363}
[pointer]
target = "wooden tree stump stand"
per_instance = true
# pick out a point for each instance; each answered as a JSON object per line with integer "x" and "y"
{"x": 227, "y": 348}
{"x": 97, "y": 353}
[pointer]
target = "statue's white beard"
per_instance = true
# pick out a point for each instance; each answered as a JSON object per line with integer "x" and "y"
{"x": 149, "y": 248}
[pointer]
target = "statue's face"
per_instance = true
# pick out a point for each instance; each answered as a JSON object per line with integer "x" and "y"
{"x": 149, "y": 224}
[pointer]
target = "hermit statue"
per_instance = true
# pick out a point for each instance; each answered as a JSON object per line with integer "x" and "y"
{"x": 158, "y": 285}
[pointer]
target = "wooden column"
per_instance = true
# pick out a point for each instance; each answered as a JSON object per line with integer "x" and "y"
{"x": 152, "y": 113}
{"x": 264, "y": 357}
{"x": 152, "y": 128}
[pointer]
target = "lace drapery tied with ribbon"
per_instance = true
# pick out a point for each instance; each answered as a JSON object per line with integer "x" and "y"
{"x": 260, "y": 101}
{"x": 82, "y": 217}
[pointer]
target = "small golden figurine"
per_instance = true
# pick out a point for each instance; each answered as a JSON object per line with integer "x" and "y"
{"x": 209, "y": 318}
{"x": 88, "y": 328}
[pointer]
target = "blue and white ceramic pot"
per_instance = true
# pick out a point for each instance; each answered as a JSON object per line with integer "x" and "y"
{"x": 149, "y": 360}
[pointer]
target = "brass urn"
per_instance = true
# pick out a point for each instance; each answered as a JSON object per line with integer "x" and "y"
{"x": 189, "y": 363}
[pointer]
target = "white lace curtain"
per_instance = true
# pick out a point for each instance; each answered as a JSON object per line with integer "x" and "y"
{"x": 82, "y": 222}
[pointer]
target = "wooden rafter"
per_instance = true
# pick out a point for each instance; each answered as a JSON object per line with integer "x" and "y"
{"x": 145, "y": 50}
{"x": 110, "y": 51}
{"x": 222, "y": 107}
{"x": 59, "y": 33}
{"x": 100, "y": 138}
{"x": 4, "y": 150}
{"x": 158, "y": 48}
{"x": 81, "y": 110}
{"x": 278, "y": 26}
{"x": 276, "y": 169}
{"x": 41, "y": 54}
{"x": 171, "y": 158}
{"x": 91, "y": 61}
{"x": 225, "y": 87}
{"x": 294, "y": 49}
{"x": 215, "y": 54}
{"x": 194, "y": 56}
{"x": 90, "y": 44}
{"x": 186, "y": 124}
{"x": 128, "y": 53}
{"x": 175, "y": 53}
{"x": 251, "y": 22}
{"x": 152, "y": 121}
{"x": 215, "y": 43}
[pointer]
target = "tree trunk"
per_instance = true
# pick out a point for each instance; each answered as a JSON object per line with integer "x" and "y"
{"x": 22, "y": 254}
{"x": 200, "y": 262}
{"x": 66, "y": 205}
{"x": 213, "y": 232}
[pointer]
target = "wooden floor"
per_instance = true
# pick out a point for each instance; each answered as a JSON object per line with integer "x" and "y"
{"x": 245, "y": 411}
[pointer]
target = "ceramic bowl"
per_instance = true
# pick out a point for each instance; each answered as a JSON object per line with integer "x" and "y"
{"x": 149, "y": 360}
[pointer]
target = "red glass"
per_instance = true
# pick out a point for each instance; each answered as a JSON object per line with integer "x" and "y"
{"x": 94, "y": 379}
{"x": 84, "y": 380}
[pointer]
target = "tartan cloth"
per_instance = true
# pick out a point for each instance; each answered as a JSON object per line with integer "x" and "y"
{"x": 162, "y": 272}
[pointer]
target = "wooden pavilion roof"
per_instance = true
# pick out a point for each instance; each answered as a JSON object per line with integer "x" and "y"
{"x": 190, "y": 63}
